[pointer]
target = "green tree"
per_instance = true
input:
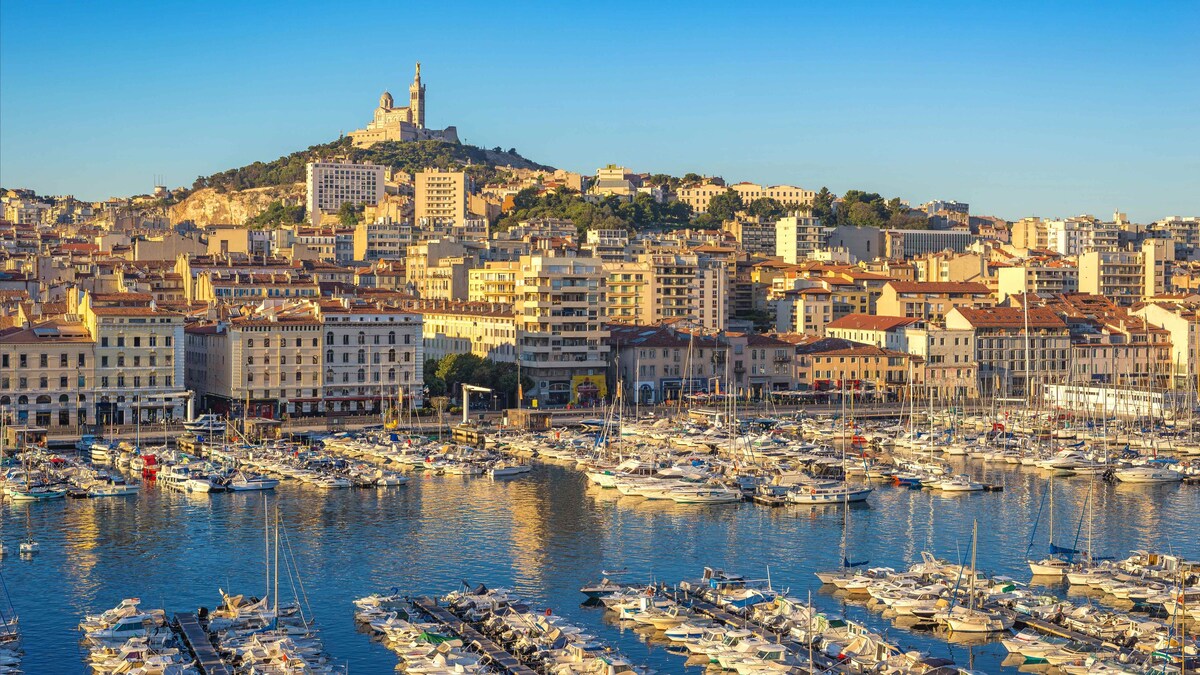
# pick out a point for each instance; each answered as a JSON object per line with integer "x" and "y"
{"x": 767, "y": 207}
{"x": 723, "y": 206}
{"x": 436, "y": 385}
{"x": 350, "y": 214}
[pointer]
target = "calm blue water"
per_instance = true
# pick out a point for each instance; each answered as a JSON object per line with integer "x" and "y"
{"x": 546, "y": 534}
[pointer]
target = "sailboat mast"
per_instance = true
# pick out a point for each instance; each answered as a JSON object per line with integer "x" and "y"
{"x": 974, "y": 550}
{"x": 276, "y": 594}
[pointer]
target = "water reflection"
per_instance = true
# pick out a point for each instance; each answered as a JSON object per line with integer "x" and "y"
{"x": 546, "y": 534}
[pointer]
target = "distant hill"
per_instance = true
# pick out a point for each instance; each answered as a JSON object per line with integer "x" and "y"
{"x": 484, "y": 165}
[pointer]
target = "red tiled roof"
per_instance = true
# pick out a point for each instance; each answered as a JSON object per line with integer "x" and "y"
{"x": 1010, "y": 317}
{"x": 962, "y": 287}
{"x": 871, "y": 322}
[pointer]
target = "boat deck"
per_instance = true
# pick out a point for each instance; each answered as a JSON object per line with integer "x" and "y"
{"x": 708, "y": 609}
{"x": 202, "y": 648}
{"x": 474, "y": 638}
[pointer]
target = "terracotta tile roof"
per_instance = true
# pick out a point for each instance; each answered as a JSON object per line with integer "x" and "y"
{"x": 951, "y": 287}
{"x": 871, "y": 322}
{"x": 1010, "y": 317}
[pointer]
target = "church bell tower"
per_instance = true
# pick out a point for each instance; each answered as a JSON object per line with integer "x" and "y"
{"x": 416, "y": 99}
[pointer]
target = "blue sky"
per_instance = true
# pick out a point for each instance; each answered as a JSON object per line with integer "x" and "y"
{"x": 1025, "y": 108}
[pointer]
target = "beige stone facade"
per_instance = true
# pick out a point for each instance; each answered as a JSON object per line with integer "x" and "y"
{"x": 394, "y": 123}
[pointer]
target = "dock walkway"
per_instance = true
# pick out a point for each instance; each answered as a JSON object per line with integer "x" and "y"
{"x": 705, "y": 607}
{"x": 474, "y": 638}
{"x": 201, "y": 647}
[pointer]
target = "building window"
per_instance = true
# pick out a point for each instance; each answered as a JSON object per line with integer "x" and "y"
{"x": 250, "y": 343}
{"x": 82, "y": 360}
{"x": 62, "y": 360}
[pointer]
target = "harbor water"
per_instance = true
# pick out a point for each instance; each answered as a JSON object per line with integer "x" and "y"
{"x": 545, "y": 534}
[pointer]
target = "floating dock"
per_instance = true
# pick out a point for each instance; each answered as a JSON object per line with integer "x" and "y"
{"x": 498, "y": 656}
{"x": 201, "y": 647}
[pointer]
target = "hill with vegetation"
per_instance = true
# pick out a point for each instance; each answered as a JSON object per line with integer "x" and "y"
{"x": 483, "y": 165}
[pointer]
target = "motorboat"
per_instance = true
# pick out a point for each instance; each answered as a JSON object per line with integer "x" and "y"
{"x": 1148, "y": 474}
{"x": 827, "y": 494}
{"x": 502, "y": 470}
{"x": 242, "y": 482}
{"x": 208, "y": 422}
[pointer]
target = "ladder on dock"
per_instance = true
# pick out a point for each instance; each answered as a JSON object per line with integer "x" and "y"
{"x": 499, "y": 656}
{"x": 201, "y": 647}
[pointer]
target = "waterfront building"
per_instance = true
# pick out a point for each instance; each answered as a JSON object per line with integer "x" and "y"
{"x": 878, "y": 330}
{"x": 139, "y": 357}
{"x": 1015, "y": 350}
{"x": 331, "y": 184}
{"x": 948, "y": 361}
{"x": 652, "y": 364}
{"x": 1181, "y": 319}
{"x": 824, "y": 364}
{"x": 393, "y": 123}
{"x": 761, "y": 364}
{"x": 485, "y": 329}
{"x": 47, "y": 374}
{"x": 373, "y": 353}
{"x": 561, "y": 340}
{"x": 264, "y": 362}
{"x": 931, "y": 301}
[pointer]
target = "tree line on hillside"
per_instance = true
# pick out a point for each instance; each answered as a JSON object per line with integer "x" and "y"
{"x": 867, "y": 209}
{"x": 604, "y": 213}
{"x": 411, "y": 156}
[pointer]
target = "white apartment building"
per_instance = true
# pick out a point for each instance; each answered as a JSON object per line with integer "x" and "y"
{"x": 331, "y": 184}
{"x": 797, "y": 237}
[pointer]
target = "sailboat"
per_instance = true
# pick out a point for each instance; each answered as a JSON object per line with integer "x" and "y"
{"x": 1059, "y": 560}
{"x": 29, "y": 546}
{"x": 971, "y": 619}
{"x": 842, "y": 576}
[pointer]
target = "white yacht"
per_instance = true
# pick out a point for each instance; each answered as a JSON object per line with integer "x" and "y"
{"x": 1148, "y": 474}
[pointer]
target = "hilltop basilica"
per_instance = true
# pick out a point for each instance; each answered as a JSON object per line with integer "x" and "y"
{"x": 402, "y": 124}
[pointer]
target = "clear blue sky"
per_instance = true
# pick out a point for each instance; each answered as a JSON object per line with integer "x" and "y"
{"x": 1030, "y": 108}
